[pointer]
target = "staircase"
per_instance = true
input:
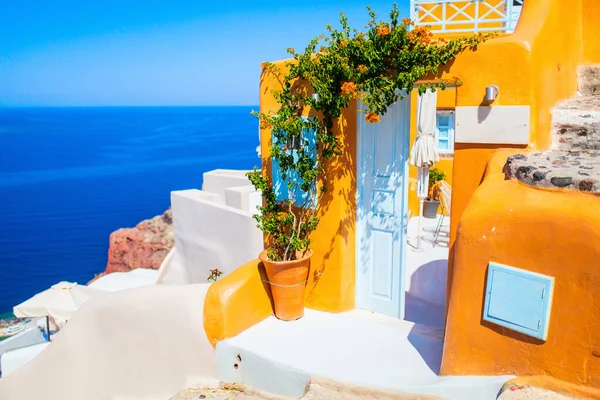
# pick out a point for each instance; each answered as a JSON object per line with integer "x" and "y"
{"x": 573, "y": 163}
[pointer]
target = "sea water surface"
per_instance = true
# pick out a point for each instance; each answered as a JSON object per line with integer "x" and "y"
{"x": 71, "y": 176}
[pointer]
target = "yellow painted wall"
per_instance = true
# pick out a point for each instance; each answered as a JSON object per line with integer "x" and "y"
{"x": 591, "y": 31}
{"x": 331, "y": 279}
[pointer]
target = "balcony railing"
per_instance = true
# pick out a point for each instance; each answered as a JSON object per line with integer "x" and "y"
{"x": 466, "y": 16}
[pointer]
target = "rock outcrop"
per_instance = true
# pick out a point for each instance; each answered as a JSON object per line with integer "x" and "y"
{"x": 144, "y": 246}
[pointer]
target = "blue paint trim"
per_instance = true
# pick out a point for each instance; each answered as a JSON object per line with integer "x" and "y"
{"x": 507, "y": 317}
{"x": 406, "y": 102}
{"x": 391, "y": 272}
{"x": 279, "y": 185}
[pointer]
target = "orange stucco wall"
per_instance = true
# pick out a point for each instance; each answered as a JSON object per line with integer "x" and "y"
{"x": 535, "y": 66}
{"x": 591, "y": 31}
{"x": 493, "y": 219}
{"x": 237, "y": 302}
{"x": 549, "y": 232}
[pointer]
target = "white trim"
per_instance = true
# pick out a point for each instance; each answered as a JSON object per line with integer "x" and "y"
{"x": 454, "y": 13}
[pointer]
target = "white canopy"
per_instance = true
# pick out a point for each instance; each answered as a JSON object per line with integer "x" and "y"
{"x": 59, "y": 302}
{"x": 423, "y": 153}
{"x": 125, "y": 280}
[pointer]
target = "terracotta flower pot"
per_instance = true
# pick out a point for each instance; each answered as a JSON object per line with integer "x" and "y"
{"x": 288, "y": 281}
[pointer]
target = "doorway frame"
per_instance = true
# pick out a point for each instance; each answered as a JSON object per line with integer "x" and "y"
{"x": 404, "y": 215}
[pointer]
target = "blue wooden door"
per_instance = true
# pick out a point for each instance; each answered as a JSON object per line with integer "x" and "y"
{"x": 381, "y": 210}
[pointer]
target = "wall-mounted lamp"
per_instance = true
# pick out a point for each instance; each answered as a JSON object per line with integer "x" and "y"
{"x": 315, "y": 96}
{"x": 491, "y": 92}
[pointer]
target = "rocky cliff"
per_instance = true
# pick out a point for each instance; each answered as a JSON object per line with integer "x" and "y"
{"x": 144, "y": 246}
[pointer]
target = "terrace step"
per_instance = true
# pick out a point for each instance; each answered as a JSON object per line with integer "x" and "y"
{"x": 576, "y": 124}
{"x": 356, "y": 348}
{"x": 571, "y": 170}
{"x": 589, "y": 80}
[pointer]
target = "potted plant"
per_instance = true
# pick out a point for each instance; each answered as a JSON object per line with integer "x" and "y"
{"x": 432, "y": 202}
{"x": 378, "y": 67}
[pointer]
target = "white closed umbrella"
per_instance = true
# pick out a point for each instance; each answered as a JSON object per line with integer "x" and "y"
{"x": 423, "y": 154}
{"x": 60, "y": 302}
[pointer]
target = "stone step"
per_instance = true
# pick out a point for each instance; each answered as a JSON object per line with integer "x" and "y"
{"x": 571, "y": 170}
{"x": 576, "y": 124}
{"x": 589, "y": 80}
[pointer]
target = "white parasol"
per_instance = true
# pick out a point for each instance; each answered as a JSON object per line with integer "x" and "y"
{"x": 423, "y": 154}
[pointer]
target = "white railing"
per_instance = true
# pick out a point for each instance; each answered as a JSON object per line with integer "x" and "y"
{"x": 466, "y": 16}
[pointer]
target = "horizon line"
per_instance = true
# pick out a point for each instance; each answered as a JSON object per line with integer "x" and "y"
{"x": 126, "y": 106}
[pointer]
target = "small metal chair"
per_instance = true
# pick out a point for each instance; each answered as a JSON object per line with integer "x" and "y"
{"x": 446, "y": 199}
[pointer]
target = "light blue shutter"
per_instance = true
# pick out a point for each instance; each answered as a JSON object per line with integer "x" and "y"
{"x": 444, "y": 135}
{"x": 279, "y": 185}
{"x": 518, "y": 299}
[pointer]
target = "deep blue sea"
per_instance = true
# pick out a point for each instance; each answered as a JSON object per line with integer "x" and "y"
{"x": 71, "y": 176}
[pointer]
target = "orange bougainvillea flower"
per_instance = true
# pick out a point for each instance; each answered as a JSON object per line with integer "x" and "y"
{"x": 372, "y": 118}
{"x": 362, "y": 68}
{"x": 420, "y": 35}
{"x": 348, "y": 88}
{"x": 265, "y": 124}
{"x": 343, "y": 43}
{"x": 383, "y": 30}
{"x": 407, "y": 21}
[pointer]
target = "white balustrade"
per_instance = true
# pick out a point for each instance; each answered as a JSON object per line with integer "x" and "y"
{"x": 466, "y": 16}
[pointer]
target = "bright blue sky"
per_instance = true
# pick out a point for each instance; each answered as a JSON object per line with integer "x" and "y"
{"x": 154, "y": 52}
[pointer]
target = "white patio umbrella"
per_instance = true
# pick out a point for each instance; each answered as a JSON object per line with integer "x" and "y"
{"x": 423, "y": 154}
{"x": 59, "y": 302}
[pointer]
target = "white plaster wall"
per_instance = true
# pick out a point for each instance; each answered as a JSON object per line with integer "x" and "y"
{"x": 254, "y": 200}
{"x": 30, "y": 336}
{"x": 14, "y": 359}
{"x": 218, "y": 180}
{"x": 208, "y": 235}
{"x": 242, "y": 198}
{"x": 143, "y": 343}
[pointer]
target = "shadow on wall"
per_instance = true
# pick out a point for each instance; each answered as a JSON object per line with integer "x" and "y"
{"x": 428, "y": 282}
{"x": 426, "y": 299}
{"x": 423, "y": 312}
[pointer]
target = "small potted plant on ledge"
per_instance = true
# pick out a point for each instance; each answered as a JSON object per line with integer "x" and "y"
{"x": 432, "y": 202}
